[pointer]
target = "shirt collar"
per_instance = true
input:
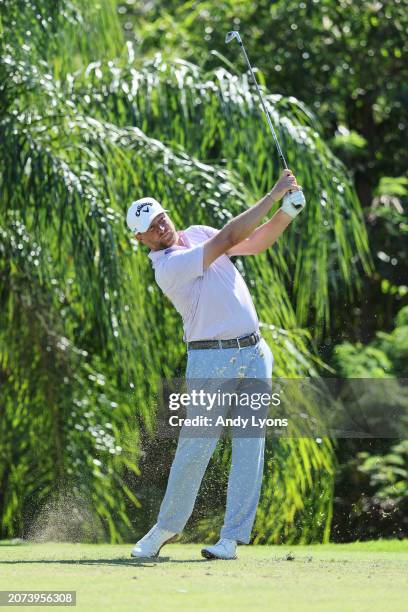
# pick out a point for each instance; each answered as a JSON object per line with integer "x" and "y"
{"x": 155, "y": 256}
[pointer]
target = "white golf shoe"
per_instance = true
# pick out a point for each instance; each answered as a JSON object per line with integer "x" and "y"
{"x": 223, "y": 549}
{"x": 152, "y": 542}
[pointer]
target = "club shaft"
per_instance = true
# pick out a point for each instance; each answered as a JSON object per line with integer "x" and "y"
{"x": 281, "y": 156}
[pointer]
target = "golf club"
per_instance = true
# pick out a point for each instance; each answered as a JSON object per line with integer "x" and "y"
{"x": 295, "y": 197}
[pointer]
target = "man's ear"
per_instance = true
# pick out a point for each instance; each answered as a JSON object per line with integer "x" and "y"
{"x": 139, "y": 237}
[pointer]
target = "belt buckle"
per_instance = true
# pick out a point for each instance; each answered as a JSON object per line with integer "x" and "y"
{"x": 239, "y": 344}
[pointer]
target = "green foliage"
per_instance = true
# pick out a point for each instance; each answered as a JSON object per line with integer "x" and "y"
{"x": 67, "y": 421}
{"x": 298, "y": 512}
{"x": 387, "y": 222}
{"x": 371, "y": 497}
{"x": 67, "y": 34}
{"x": 350, "y": 142}
{"x": 63, "y": 425}
{"x": 393, "y": 186}
{"x": 375, "y": 505}
{"x": 163, "y": 97}
{"x": 401, "y": 320}
{"x": 359, "y": 361}
{"x": 86, "y": 334}
{"x": 345, "y": 62}
{"x": 396, "y": 345}
{"x": 383, "y": 507}
{"x": 385, "y": 356}
{"x": 388, "y": 473}
{"x": 344, "y": 59}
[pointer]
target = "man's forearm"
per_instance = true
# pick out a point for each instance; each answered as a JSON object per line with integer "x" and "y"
{"x": 267, "y": 234}
{"x": 243, "y": 225}
{"x": 239, "y": 228}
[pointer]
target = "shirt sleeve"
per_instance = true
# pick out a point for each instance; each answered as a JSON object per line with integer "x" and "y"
{"x": 180, "y": 267}
{"x": 210, "y": 231}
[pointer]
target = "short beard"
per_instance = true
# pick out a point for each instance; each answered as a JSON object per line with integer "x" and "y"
{"x": 166, "y": 245}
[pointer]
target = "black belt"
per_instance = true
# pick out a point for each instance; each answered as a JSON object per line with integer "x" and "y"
{"x": 249, "y": 340}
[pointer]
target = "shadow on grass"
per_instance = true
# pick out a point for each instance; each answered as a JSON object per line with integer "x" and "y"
{"x": 129, "y": 562}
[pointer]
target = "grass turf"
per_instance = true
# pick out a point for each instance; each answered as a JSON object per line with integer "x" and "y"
{"x": 354, "y": 577}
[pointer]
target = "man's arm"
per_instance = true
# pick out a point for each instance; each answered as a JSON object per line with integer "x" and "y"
{"x": 242, "y": 226}
{"x": 263, "y": 236}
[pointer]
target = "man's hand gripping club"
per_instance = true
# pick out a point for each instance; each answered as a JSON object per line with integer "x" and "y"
{"x": 240, "y": 228}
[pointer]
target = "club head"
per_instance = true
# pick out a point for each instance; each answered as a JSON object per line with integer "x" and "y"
{"x": 231, "y": 35}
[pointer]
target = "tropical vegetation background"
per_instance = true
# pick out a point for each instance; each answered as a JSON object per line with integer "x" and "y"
{"x": 102, "y": 102}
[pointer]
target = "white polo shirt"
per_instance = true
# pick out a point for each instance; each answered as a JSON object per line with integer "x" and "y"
{"x": 214, "y": 303}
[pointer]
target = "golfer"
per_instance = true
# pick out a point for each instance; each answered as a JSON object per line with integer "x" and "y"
{"x": 221, "y": 330}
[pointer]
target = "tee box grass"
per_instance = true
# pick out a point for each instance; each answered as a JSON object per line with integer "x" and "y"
{"x": 358, "y": 577}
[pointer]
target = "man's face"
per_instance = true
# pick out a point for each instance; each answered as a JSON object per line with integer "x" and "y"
{"x": 160, "y": 235}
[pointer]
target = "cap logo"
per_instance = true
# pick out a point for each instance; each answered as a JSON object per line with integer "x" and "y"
{"x": 142, "y": 208}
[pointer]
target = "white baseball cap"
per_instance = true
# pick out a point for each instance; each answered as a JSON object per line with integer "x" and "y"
{"x": 141, "y": 213}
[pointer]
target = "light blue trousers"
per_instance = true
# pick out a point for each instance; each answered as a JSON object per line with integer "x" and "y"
{"x": 193, "y": 453}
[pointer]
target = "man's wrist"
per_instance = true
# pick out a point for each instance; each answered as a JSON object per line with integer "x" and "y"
{"x": 272, "y": 195}
{"x": 285, "y": 215}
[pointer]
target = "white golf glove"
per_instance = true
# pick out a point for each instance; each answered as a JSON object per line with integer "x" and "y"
{"x": 293, "y": 202}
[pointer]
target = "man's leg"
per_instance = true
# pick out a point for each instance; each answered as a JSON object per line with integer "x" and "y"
{"x": 187, "y": 471}
{"x": 193, "y": 452}
{"x": 244, "y": 486}
{"x": 245, "y": 478}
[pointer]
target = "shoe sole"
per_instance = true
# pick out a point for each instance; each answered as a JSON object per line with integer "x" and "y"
{"x": 209, "y": 555}
{"x": 169, "y": 541}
